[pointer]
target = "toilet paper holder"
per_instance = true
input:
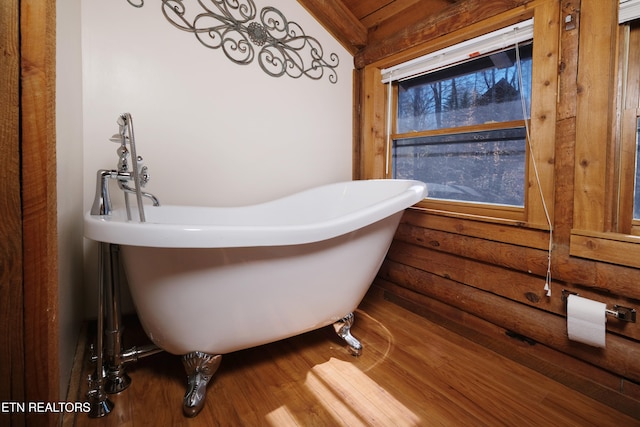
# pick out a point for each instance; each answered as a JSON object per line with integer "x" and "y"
{"x": 625, "y": 314}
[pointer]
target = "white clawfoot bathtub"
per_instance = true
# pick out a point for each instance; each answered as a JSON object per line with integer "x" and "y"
{"x": 207, "y": 281}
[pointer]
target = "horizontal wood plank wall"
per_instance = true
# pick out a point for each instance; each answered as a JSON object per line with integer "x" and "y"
{"x": 494, "y": 271}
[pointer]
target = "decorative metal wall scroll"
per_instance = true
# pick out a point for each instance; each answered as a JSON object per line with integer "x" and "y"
{"x": 282, "y": 46}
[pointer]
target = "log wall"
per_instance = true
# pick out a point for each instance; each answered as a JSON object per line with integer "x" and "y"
{"x": 487, "y": 275}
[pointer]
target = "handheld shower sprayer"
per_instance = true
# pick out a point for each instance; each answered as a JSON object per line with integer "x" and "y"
{"x": 125, "y": 132}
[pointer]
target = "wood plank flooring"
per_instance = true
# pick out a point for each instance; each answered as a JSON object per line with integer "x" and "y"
{"x": 412, "y": 373}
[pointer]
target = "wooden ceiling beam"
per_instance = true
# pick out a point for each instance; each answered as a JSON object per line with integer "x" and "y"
{"x": 407, "y": 30}
{"x": 339, "y": 21}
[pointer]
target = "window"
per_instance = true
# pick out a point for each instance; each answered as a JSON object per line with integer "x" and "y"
{"x": 481, "y": 166}
{"x": 630, "y": 34}
{"x": 636, "y": 196}
{"x": 629, "y": 64}
{"x": 462, "y": 129}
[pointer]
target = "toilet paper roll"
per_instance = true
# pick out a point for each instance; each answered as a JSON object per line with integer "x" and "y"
{"x": 586, "y": 321}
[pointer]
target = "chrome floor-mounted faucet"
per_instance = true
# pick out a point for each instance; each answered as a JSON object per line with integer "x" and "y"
{"x": 110, "y": 356}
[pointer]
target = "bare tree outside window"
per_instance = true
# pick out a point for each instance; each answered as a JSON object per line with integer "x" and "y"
{"x": 461, "y": 129}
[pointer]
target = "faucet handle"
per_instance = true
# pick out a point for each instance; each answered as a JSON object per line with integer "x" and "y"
{"x": 144, "y": 176}
{"x": 143, "y": 173}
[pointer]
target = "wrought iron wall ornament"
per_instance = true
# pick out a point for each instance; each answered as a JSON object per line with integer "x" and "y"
{"x": 282, "y": 46}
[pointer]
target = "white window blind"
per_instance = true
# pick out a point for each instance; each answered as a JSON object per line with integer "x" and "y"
{"x": 461, "y": 52}
{"x": 629, "y": 10}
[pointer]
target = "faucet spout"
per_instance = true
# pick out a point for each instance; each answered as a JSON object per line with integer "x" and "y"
{"x": 154, "y": 199}
{"x": 102, "y": 201}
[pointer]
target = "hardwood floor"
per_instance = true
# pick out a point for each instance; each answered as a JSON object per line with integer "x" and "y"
{"x": 412, "y": 373}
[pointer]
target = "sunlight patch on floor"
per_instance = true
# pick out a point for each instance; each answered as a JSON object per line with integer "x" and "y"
{"x": 354, "y": 399}
{"x": 281, "y": 416}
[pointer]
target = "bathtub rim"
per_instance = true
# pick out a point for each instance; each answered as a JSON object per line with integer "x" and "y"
{"x": 116, "y": 229}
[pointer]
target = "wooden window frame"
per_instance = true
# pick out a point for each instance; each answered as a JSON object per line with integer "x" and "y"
{"x": 629, "y": 105}
{"x": 542, "y": 123}
{"x": 603, "y": 226}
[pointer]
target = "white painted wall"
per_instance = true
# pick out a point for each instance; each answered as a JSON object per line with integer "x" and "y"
{"x": 69, "y": 183}
{"x": 212, "y": 132}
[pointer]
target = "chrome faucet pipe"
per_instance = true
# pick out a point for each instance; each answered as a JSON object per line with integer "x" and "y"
{"x": 135, "y": 353}
{"x": 100, "y": 403}
{"x": 116, "y": 376}
{"x": 132, "y": 354}
{"x": 111, "y": 357}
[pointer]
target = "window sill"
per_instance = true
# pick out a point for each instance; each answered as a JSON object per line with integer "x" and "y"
{"x": 615, "y": 248}
{"x": 477, "y": 211}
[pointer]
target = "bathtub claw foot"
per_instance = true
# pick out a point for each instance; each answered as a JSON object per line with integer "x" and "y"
{"x": 200, "y": 368}
{"x": 343, "y": 329}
